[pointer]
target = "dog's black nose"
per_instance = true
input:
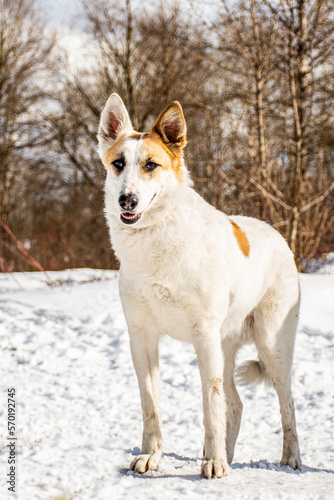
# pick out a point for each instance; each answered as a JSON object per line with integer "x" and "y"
{"x": 128, "y": 201}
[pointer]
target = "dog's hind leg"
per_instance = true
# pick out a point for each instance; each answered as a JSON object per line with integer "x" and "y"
{"x": 274, "y": 332}
{"x": 232, "y": 399}
{"x": 291, "y": 454}
{"x": 145, "y": 356}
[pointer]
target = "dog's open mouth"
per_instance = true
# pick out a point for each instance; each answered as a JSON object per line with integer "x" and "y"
{"x": 130, "y": 218}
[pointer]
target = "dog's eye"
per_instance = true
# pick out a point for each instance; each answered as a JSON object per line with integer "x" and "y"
{"x": 150, "y": 166}
{"x": 119, "y": 164}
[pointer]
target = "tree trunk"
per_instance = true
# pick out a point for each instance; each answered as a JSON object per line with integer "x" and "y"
{"x": 298, "y": 73}
{"x": 128, "y": 66}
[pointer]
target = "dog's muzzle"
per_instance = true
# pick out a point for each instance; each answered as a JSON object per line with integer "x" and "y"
{"x": 128, "y": 203}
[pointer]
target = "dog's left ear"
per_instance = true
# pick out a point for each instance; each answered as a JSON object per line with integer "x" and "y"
{"x": 171, "y": 127}
{"x": 114, "y": 121}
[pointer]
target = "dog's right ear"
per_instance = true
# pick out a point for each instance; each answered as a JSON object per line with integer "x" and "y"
{"x": 114, "y": 121}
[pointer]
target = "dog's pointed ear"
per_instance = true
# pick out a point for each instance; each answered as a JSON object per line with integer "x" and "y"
{"x": 171, "y": 127}
{"x": 114, "y": 121}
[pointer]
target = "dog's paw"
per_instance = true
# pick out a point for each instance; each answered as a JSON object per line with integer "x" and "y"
{"x": 215, "y": 468}
{"x": 292, "y": 461}
{"x": 145, "y": 462}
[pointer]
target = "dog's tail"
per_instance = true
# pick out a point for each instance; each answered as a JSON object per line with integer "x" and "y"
{"x": 253, "y": 372}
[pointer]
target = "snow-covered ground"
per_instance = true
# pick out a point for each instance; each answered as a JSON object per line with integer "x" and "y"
{"x": 66, "y": 352}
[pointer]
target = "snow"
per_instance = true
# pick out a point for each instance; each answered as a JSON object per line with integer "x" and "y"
{"x": 66, "y": 352}
{"x": 323, "y": 266}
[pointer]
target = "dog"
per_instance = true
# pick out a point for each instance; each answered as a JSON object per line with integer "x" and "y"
{"x": 189, "y": 271}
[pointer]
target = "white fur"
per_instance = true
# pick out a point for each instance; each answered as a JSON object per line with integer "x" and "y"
{"x": 183, "y": 274}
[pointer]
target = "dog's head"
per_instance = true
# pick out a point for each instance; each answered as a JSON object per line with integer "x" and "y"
{"x": 142, "y": 168}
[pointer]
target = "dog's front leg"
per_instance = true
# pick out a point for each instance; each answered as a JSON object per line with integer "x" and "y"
{"x": 210, "y": 364}
{"x": 144, "y": 350}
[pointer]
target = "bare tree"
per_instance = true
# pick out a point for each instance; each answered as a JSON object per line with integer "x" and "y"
{"x": 25, "y": 48}
{"x": 25, "y": 45}
{"x": 256, "y": 85}
{"x": 252, "y": 101}
{"x": 245, "y": 45}
{"x": 112, "y": 29}
{"x": 305, "y": 57}
{"x": 278, "y": 58}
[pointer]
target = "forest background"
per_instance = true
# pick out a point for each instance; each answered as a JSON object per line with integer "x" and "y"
{"x": 255, "y": 79}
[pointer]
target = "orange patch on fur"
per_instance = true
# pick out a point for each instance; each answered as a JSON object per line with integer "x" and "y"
{"x": 241, "y": 238}
{"x": 116, "y": 147}
{"x": 136, "y": 135}
{"x": 162, "y": 155}
{"x": 113, "y": 150}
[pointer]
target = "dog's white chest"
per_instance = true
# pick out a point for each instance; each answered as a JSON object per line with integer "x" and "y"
{"x": 169, "y": 311}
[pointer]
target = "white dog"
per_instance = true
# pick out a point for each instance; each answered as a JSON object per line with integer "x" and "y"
{"x": 189, "y": 271}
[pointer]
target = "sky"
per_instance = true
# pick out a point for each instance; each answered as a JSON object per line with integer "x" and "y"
{"x": 62, "y": 12}
{"x": 59, "y": 12}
